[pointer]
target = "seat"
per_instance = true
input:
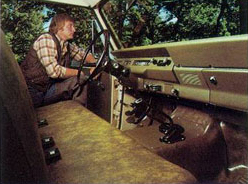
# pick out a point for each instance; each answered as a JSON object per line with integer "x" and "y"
{"x": 22, "y": 159}
{"x": 92, "y": 151}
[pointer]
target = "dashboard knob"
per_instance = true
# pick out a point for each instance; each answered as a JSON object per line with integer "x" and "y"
{"x": 175, "y": 92}
{"x": 213, "y": 80}
{"x": 154, "y": 61}
{"x": 115, "y": 65}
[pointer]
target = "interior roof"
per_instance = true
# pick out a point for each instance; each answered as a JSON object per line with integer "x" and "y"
{"x": 84, "y": 3}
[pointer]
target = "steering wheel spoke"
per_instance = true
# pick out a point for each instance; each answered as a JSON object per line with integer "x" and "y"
{"x": 101, "y": 62}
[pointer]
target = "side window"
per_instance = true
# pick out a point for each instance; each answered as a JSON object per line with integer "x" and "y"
{"x": 150, "y": 21}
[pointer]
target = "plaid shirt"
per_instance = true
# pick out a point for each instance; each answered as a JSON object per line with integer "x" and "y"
{"x": 46, "y": 50}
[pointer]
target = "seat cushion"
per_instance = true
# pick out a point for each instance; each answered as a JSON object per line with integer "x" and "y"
{"x": 93, "y": 151}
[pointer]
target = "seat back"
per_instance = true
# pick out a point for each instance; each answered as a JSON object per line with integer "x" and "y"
{"x": 22, "y": 158}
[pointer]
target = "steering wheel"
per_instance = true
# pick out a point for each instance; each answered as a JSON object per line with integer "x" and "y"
{"x": 101, "y": 62}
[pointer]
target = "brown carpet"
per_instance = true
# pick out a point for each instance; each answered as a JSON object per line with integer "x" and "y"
{"x": 94, "y": 152}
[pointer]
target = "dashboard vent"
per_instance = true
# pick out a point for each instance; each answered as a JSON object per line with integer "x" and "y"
{"x": 191, "y": 79}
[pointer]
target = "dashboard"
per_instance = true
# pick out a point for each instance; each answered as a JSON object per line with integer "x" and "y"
{"x": 212, "y": 71}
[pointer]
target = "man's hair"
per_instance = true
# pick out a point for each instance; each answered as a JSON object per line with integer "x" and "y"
{"x": 58, "y": 22}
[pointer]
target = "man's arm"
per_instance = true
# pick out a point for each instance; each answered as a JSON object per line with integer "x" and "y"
{"x": 90, "y": 58}
{"x": 78, "y": 54}
{"x": 71, "y": 73}
{"x": 47, "y": 52}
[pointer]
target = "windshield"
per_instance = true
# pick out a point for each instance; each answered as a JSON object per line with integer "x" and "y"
{"x": 145, "y": 22}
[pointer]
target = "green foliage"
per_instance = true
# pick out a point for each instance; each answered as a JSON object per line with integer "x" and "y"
{"x": 155, "y": 21}
{"x": 203, "y": 19}
{"x": 21, "y": 21}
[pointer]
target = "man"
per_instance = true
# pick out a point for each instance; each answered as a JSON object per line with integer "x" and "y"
{"x": 46, "y": 66}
